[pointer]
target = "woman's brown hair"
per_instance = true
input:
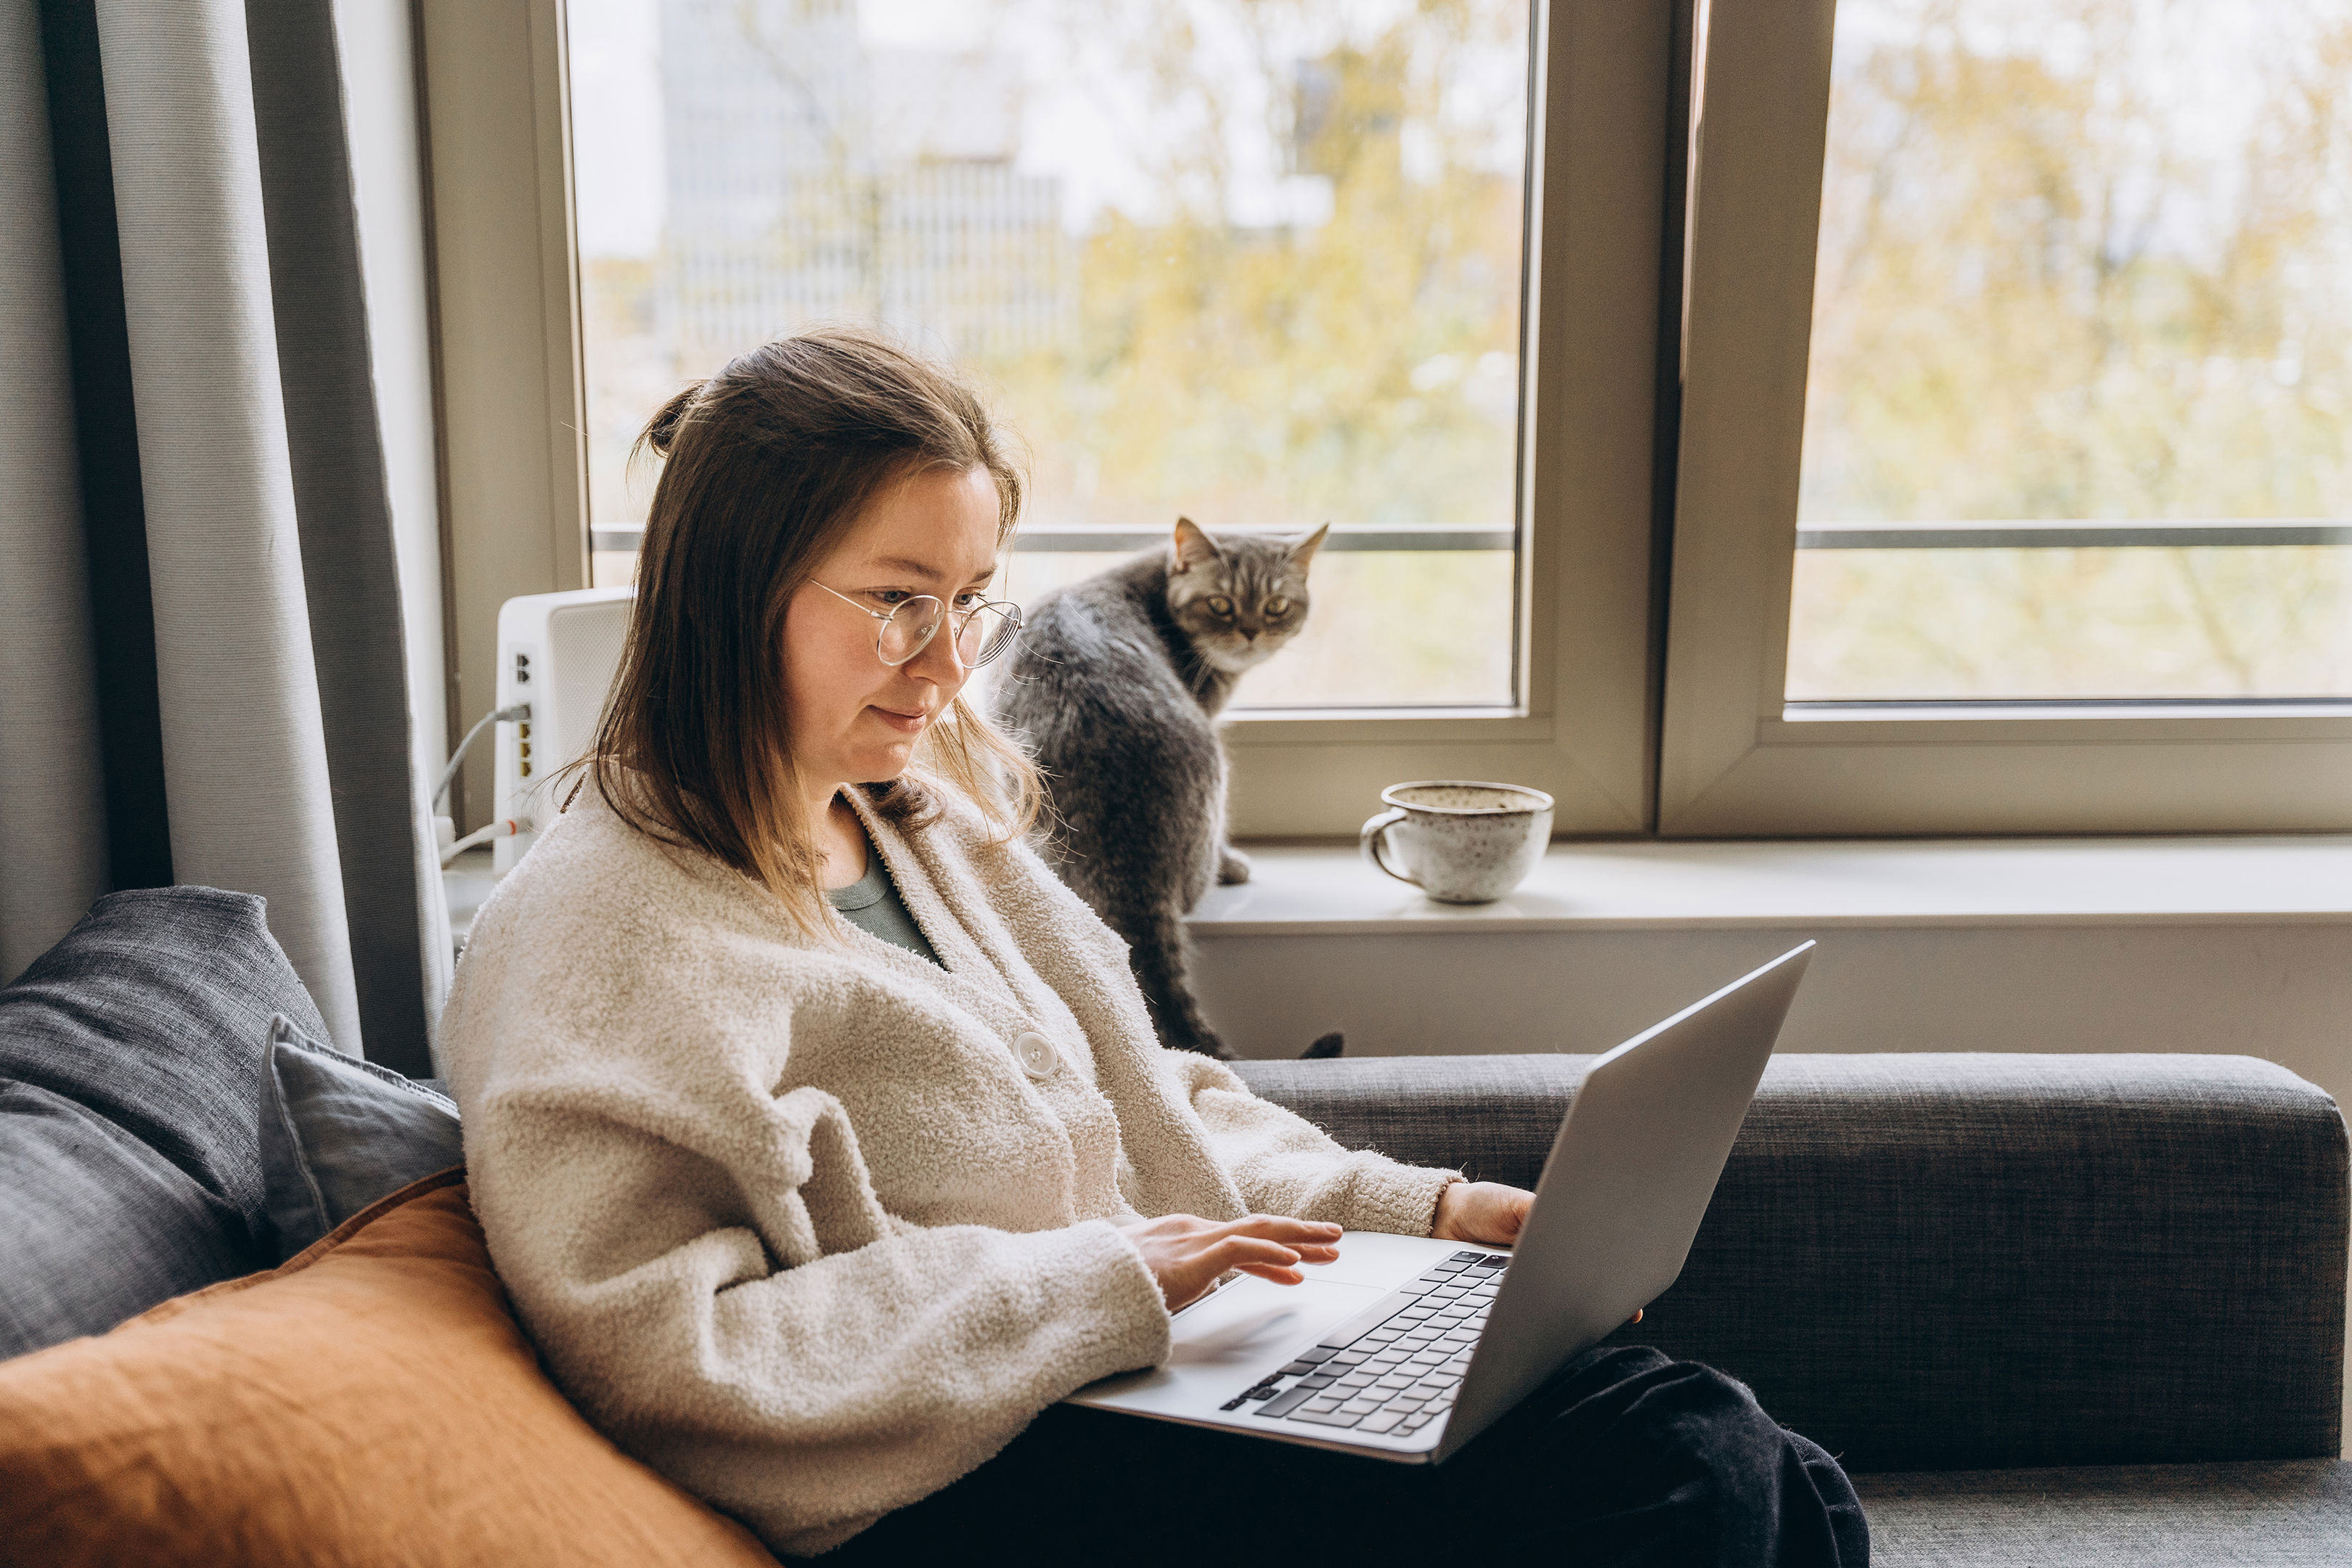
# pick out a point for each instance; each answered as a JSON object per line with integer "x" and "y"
{"x": 768, "y": 464}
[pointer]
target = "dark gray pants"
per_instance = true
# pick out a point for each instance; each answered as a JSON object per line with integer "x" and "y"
{"x": 1625, "y": 1458}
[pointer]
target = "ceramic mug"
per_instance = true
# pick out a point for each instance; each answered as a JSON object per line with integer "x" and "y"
{"x": 1459, "y": 841}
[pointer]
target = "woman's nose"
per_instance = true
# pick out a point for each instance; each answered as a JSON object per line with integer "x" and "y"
{"x": 941, "y": 661}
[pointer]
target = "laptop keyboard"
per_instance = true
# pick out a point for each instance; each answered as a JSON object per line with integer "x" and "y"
{"x": 1394, "y": 1367}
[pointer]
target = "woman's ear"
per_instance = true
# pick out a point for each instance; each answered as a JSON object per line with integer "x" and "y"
{"x": 1193, "y": 545}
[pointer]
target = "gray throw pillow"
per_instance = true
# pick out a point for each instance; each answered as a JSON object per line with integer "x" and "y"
{"x": 129, "y": 1082}
{"x": 338, "y": 1133}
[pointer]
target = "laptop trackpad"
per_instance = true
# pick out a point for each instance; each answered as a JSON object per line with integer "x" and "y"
{"x": 1220, "y": 1345}
{"x": 1253, "y": 1318}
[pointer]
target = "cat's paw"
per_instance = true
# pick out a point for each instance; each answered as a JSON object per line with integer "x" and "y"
{"x": 1233, "y": 866}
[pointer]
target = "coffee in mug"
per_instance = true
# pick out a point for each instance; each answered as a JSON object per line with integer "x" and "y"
{"x": 1459, "y": 841}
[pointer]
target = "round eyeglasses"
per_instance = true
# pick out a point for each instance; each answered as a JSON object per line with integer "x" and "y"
{"x": 981, "y": 632}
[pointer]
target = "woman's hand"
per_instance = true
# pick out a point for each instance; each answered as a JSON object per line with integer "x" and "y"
{"x": 1187, "y": 1254}
{"x": 1486, "y": 1212}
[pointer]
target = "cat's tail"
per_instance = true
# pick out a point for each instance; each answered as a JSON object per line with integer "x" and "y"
{"x": 1162, "y": 957}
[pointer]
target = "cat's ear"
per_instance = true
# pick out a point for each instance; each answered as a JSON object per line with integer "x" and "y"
{"x": 1193, "y": 546}
{"x": 1304, "y": 551}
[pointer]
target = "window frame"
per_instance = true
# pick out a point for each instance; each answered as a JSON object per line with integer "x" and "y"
{"x": 509, "y": 396}
{"x": 1736, "y": 760}
{"x": 1603, "y": 108}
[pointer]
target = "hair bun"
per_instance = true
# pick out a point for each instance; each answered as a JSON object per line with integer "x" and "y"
{"x": 661, "y": 431}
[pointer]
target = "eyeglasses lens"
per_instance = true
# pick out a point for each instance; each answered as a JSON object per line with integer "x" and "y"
{"x": 980, "y": 635}
{"x": 909, "y": 630}
{"x": 985, "y": 632}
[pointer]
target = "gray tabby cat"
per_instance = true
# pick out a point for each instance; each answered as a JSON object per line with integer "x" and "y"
{"x": 1117, "y": 685}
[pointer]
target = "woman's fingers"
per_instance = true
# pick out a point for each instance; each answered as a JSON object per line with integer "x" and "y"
{"x": 1242, "y": 1251}
{"x": 1187, "y": 1252}
{"x": 1289, "y": 1232}
{"x": 1276, "y": 1275}
{"x": 1271, "y": 1247}
{"x": 1266, "y": 1259}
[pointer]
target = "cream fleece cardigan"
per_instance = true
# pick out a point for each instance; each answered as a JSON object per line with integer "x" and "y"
{"x": 786, "y": 1217}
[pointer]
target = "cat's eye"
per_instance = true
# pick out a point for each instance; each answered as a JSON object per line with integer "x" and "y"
{"x": 1220, "y": 605}
{"x": 1278, "y": 606}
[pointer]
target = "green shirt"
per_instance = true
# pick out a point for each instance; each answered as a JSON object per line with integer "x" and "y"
{"x": 872, "y": 904}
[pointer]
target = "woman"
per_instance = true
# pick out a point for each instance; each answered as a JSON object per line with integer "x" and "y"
{"x": 820, "y": 1135}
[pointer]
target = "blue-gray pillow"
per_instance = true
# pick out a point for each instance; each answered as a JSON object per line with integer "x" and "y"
{"x": 129, "y": 1090}
{"x": 337, "y": 1133}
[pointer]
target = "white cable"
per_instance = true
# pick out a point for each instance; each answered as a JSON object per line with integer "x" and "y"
{"x": 484, "y": 835}
{"x": 519, "y": 713}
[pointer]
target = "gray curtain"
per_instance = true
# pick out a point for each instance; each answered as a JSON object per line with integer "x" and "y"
{"x": 53, "y": 847}
{"x": 207, "y": 332}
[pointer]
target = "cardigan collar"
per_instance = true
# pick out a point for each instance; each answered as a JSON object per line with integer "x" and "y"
{"x": 981, "y": 966}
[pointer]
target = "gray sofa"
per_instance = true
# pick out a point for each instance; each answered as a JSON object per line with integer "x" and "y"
{"x": 2050, "y": 1310}
{"x": 2047, "y": 1308}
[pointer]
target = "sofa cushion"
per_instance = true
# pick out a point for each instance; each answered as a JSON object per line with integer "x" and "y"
{"x": 372, "y": 1401}
{"x": 2277, "y": 1515}
{"x": 338, "y": 1133}
{"x": 129, "y": 1097}
{"x": 95, "y": 1226}
{"x": 1968, "y": 1261}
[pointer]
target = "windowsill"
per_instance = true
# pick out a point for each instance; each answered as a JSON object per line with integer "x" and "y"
{"x": 1815, "y": 884}
{"x": 1863, "y": 711}
{"x": 1758, "y": 885}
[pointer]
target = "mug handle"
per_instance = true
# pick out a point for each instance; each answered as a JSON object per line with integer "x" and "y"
{"x": 1369, "y": 840}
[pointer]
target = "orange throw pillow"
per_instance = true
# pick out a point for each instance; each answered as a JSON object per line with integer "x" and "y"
{"x": 371, "y": 1401}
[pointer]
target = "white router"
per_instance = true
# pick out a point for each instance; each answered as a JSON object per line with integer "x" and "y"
{"x": 557, "y": 655}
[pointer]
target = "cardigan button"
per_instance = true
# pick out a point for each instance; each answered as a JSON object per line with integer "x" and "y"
{"x": 1036, "y": 1055}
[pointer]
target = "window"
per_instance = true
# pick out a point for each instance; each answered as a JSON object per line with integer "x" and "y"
{"x": 2026, "y": 325}
{"x": 1259, "y": 264}
{"x": 1922, "y": 416}
{"x": 2078, "y": 415}
{"x": 1391, "y": 263}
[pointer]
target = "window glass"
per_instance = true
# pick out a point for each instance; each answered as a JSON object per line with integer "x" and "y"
{"x": 2079, "y": 420}
{"x": 1257, "y": 262}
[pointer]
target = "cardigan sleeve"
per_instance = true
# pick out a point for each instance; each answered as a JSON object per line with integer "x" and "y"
{"x": 1279, "y": 1161}
{"x": 1286, "y": 1165}
{"x": 707, "y": 1271}
{"x": 806, "y": 1398}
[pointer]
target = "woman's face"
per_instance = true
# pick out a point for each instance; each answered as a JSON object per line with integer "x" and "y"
{"x": 854, "y": 719}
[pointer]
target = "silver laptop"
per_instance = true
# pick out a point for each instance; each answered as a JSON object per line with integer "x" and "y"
{"x": 1406, "y": 1348}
